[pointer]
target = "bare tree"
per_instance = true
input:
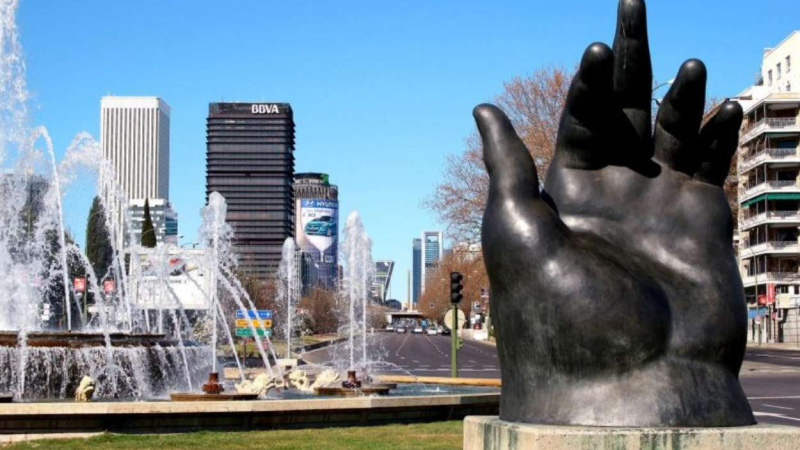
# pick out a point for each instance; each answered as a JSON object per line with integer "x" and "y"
{"x": 534, "y": 104}
{"x": 320, "y": 306}
{"x": 435, "y": 301}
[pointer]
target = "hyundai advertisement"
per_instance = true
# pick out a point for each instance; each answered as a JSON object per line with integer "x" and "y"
{"x": 319, "y": 223}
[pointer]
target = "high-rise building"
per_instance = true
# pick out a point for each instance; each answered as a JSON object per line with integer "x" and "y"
{"x": 769, "y": 195}
{"x": 382, "y": 280}
{"x": 134, "y": 134}
{"x": 250, "y": 162}
{"x": 317, "y": 229}
{"x": 164, "y": 218}
{"x": 416, "y": 272}
{"x": 432, "y": 254}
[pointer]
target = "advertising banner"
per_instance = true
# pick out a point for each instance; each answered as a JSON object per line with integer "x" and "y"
{"x": 319, "y": 224}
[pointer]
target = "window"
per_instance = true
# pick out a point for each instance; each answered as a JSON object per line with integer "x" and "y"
{"x": 788, "y": 63}
{"x": 769, "y": 78}
{"x": 779, "y": 71}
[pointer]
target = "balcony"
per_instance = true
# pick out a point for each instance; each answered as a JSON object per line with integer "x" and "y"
{"x": 771, "y": 277}
{"x": 748, "y": 250}
{"x": 770, "y": 217}
{"x": 782, "y": 124}
{"x": 769, "y": 155}
{"x": 772, "y": 185}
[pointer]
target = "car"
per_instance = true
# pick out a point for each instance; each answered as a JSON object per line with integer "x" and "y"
{"x": 321, "y": 226}
{"x": 400, "y": 330}
{"x": 389, "y": 328}
{"x": 444, "y": 331}
{"x": 433, "y": 331}
{"x": 417, "y": 330}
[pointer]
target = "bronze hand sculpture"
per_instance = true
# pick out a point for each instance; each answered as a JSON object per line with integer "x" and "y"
{"x": 616, "y": 296}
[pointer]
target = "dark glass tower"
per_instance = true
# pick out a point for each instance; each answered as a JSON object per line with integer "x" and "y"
{"x": 250, "y": 161}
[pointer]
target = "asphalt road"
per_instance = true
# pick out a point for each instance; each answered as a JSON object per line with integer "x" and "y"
{"x": 422, "y": 355}
{"x": 770, "y": 377}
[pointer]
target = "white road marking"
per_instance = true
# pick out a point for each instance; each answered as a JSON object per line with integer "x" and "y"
{"x": 776, "y": 406}
{"x": 774, "y": 398}
{"x": 780, "y": 416}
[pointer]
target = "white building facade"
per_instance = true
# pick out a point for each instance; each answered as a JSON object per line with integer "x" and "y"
{"x": 134, "y": 134}
{"x": 769, "y": 195}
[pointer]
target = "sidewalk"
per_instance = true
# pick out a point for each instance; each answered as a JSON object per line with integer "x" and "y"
{"x": 787, "y": 346}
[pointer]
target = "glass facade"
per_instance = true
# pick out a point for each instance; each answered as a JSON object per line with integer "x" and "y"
{"x": 250, "y": 161}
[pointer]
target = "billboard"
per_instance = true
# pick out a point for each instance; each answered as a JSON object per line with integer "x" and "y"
{"x": 318, "y": 225}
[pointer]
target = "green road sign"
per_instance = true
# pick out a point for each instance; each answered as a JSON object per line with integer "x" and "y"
{"x": 247, "y": 332}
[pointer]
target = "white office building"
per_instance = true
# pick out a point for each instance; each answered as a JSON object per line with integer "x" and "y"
{"x": 134, "y": 134}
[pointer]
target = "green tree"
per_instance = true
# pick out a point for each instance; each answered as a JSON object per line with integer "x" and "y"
{"x": 148, "y": 231}
{"x": 98, "y": 242}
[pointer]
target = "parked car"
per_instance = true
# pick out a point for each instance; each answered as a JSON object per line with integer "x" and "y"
{"x": 432, "y": 331}
{"x": 400, "y": 329}
{"x": 444, "y": 331}
{"x": 417, "y": 330}
{"x": 389, "y": 327}
{"x": 321, "y": 226}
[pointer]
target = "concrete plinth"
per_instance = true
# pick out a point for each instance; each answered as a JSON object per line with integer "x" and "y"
{"x": 490, "y": 433}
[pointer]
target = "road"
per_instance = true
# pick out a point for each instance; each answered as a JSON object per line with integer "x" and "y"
{"x": 770, "y": 377}
{"x": 423, "y": 355}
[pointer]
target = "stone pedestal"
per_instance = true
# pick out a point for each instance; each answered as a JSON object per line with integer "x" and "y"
{"x": 490, "y": 433}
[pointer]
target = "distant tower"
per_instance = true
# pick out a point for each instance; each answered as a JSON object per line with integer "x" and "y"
{"x": 134, "y": 135}
{"x": 432, "y": 253}
{"x": 416, "y": 258}
{"x": 250, "y": 162}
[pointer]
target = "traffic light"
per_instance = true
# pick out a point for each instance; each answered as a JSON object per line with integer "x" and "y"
{"x": 456, "y": 287}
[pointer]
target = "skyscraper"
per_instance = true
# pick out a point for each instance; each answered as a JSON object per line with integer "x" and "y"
{"x": 416, "y": 283}
{"x": 382, "y": 280}
{"x": 317, "y": 229}
{"x": 432, "y": 253}
{"x": 250, "y": 162}
{"x": 134, "y": 134}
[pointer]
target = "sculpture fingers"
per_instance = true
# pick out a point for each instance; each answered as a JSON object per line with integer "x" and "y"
{"x": 633, "y": 71}
{"x": 679, "y": 119}
{"x": 512, "y": 172}
{"x": 719, "y": 138}
{"x": 589, "y": 112}
{"x": 514, "y": 210}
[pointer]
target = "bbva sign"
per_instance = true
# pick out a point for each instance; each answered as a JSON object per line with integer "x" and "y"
{"x": 264, "y": 109}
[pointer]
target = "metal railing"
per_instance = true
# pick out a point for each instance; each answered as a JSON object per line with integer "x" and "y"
{"x": 771, "y": 277}
{"x": 771, "y": 246}
{"x": 787, "y": 216}
{"x": 752, "y": 160}
{"x": 767, "y": 124}
{"x": 769, "y": 185}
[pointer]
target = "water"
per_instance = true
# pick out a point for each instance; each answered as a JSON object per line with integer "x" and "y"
{"x": 288, "y": 284}
{"x": 38, "y": 260}
{"x": 356, "y": 252}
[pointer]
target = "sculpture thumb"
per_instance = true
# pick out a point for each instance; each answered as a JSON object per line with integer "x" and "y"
{"x": 512, "y": 172}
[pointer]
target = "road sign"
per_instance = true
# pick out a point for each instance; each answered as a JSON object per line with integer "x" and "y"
{"x": 79, "y": 284}
{"x": 245, "y": 323}
{"x": 247, "y": 332}
{"x": 258, "y": 314}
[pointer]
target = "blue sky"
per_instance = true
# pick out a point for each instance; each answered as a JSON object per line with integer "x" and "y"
{"x": 382, "y": 91}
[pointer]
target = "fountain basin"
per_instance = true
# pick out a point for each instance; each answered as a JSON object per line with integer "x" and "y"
{"x": 83, "y": 339}
{"x": 366, "y": 389}
{"x": 171, "y": 417}
{"x": 198, "y": 397}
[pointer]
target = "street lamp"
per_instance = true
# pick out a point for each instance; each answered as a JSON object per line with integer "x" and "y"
{"x": 668, "y": 83}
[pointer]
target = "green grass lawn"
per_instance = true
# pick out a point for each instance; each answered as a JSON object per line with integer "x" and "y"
{"x": 430, "y": 436}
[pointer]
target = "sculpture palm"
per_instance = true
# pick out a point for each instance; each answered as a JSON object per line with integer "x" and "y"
{"x": 615, "y": 292}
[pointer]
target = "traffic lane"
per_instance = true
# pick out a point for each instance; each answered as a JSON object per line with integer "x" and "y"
{"x": 774, "y": 396}
{"x": 788, "y": 358}
{"x": 425, "y": 355}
